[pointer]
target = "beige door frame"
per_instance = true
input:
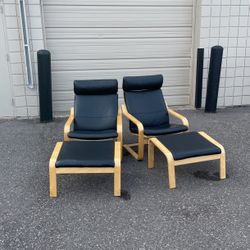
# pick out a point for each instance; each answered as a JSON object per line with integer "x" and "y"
{"x": 195, "y": 45}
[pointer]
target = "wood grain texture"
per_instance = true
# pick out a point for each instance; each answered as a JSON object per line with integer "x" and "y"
{"x": 180, "y": 117}
{"x": 68, "y": 124}
{"x": 138, "y": 156}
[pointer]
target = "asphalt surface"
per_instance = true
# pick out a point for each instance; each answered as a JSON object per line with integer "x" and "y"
{"x": 198, "y": 214}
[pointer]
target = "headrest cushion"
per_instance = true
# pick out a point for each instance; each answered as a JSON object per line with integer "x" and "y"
{"x": 95, "y": 87}
{"x": 142, "y": 83}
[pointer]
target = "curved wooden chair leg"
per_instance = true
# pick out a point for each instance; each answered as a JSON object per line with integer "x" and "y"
{"x": 223, "y": 166}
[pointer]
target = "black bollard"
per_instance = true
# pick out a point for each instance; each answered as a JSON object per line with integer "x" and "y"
{"x": 199, "y": 77}
{"x": 44, "y": 79}
{"x": 213, "y": 79}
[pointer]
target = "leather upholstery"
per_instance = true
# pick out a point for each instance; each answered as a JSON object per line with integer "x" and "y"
{"x": 145, "y": 101}
{"x": 140, "y": 83}
{"x": 188, "y": 145}
{"x": 95, "y": 87}
{"x": 162, "y": 129}
{"x": 148, "y": 107}
{"x": 93, "y": 135}
{"x": 96, "y": 108}
{"x": 86, "y": 154}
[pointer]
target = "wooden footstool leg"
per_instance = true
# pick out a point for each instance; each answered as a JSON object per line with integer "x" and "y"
{"x": 171, "y": 174}
{"x": 117, "y": 170}
{"x": 52, "y": 170}
{"x": 52, "y": 182}
{"x": 170, "y": 159}
{"x": 117, "y": 181}
{"x": 223, "y": 165}
{"x": 222, "y": 156}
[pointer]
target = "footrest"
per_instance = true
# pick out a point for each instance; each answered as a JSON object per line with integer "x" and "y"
{"x": 187, "y": 148}
{"x": 86, "y": 154}
{"x": 86, "y": 157}
{"x": 189, "y": 144}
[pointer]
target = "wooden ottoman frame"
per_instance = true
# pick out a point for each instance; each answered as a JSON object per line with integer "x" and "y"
{"x": 54, "y": 171}
{"x": 154, "y": 142}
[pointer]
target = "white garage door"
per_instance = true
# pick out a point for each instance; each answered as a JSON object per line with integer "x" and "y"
{"x": 95, "y": 39}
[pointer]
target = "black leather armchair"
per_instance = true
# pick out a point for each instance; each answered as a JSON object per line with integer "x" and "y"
{"x": 95, "y": 115}
{"x": 147, "y": 111}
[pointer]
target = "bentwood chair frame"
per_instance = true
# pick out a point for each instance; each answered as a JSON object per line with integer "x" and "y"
{"x": 142, "y": 139}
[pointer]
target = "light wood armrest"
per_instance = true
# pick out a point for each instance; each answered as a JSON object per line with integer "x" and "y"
{"x": 68, "y": 123}
{"x": 119, "y": 122}
{"x": 183, "y": 119}
{"x": 132, "y": 119}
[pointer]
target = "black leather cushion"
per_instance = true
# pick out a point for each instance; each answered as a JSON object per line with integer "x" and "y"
{"x": 86, "y": 154}
{"x": 93, "y": 135}
{"x": 140, "y": 83}
{"x": 144, "y": 100}
{"x": 95, "y": 87}
{"x": 162, "y": 129}
{"x": 148, "y": 107}
{"x": 96, "y": 106}
{"x": 96, "y": 112}
{"x": 188, "y": 145}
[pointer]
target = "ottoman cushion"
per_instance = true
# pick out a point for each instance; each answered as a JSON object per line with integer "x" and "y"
{"x": 189, "y": 144}
{"x": 86, "y": 154}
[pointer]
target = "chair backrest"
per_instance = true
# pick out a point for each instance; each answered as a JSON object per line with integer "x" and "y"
{"x": 96, "y": 104}
{"x": 144, "y": 99}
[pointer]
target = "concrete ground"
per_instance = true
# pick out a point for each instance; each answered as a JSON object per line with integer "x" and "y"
{"x": 198, "y": 214}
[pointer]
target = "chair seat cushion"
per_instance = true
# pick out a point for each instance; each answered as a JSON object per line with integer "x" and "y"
{"x": 189, "y": 144}
{"x": 86, "y": 154}
{"x": 161, "y": 129}
{"x": 92, "y": 135}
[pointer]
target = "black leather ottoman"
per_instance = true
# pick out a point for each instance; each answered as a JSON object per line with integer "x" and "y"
{"x": 86, "y": 157}
{"x": 187, "y": 148}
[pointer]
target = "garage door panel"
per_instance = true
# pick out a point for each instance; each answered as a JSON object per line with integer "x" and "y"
{"x": 167, "y": 91}
{"x": 83, "y": 65}
{"x": 121, "y": 2}
{"x": 119, "y": 48}
{"x": 64, "y": 106}
{"x": 104, "y": 33}
{"x": 101, "y": 16}
{"x": 172, "y": 77}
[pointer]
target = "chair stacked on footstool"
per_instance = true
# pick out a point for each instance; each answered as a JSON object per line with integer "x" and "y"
{"x": 92, "y": 134}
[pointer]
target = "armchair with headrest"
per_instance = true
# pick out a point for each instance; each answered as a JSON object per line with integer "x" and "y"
{"x": 147, "y": 111}
{"x": 95, "y": 115}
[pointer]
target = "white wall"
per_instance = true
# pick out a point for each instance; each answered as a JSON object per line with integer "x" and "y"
{"x": 226, "y": 22}
{"x": 25, "y": 100}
